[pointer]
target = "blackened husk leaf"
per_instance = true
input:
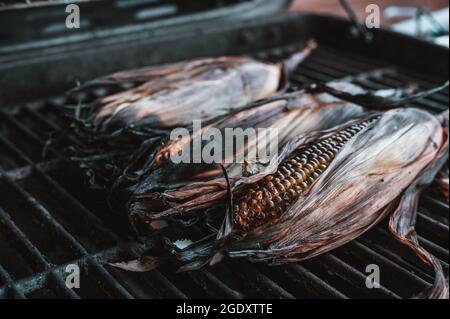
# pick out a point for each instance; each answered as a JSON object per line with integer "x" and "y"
{"x": 143, "y": 264}
{"x": 379, "y": 172}
{"x": 381, "y": 99}
{"x": 442, "y": 184}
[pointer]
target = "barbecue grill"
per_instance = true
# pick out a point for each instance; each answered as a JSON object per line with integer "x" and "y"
{"x": 49, "y": 218}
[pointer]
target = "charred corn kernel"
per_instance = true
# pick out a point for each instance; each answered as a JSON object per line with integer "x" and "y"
{"x": 267, "y": 199}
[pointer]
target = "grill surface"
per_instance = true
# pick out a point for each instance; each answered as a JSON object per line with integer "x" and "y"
{"x": 48, "y": 218}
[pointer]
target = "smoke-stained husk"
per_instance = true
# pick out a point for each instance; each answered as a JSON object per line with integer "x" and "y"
{"x": 192, "y": 187}
{"x": 112, "y": 129}
{"x": 378, "y": 172}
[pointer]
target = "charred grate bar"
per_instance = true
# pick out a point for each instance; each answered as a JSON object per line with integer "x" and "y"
{"x": 48, "y": 219}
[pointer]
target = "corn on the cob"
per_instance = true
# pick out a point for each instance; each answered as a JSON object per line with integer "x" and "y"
{"x": 263, "y": 202}
{"x": 114, "y": 129}
{"x": 173, "y": 95}
{"x": 372, "y": 169}
{"x": 292, "y": 114}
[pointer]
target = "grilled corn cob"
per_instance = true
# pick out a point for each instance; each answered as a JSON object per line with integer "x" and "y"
{"x": 372, "y": 168}
{"x": 263, "y": 202}
{"x": 173, "y": 95}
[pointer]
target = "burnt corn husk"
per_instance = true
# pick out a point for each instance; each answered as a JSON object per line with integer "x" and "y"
{"x": 114, "y": 128}
{"x": 165, "y": 190}
{"x": 441, "y": 184}
{"x": 172, "y": 95}
{"x": 381, "y": 99}
{"x": 328, "y": 188}
{"x": 106, "y": 157}
{"x": 170, "y": 189}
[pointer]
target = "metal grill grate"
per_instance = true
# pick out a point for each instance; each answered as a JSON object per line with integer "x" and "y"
{"x": 48, "y": 218}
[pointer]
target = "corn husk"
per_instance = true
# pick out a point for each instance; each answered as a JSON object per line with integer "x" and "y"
{"x": 380, "y": 172}
{"x": 172, "y": 95}
{"x": 115, "y": 128}
{"x": 169, "y": 189}
{"x": 188, "y": 187}
{"x": 441, "y": 184}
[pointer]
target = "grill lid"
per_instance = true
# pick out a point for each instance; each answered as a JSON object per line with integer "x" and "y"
{"x": 23, "y": 21}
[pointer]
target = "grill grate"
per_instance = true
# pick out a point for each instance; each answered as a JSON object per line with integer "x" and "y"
{"x": 48, "y": 218}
